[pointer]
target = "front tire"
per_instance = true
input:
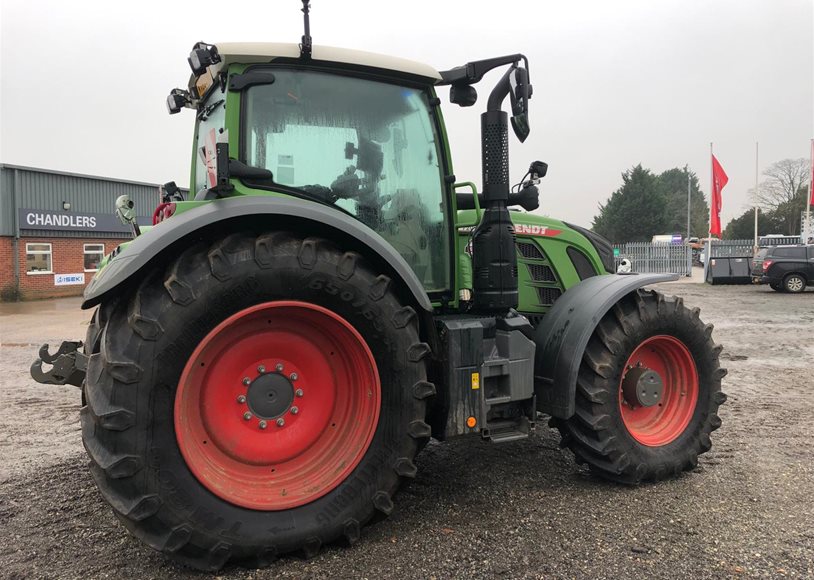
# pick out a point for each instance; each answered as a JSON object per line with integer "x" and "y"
{"x": 174, "y": 432}
{"x": 646, "y": 339}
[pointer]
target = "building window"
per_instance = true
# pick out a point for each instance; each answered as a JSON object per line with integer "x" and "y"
{"x": 93, "y": 255}
{"x": 38, "y": 259}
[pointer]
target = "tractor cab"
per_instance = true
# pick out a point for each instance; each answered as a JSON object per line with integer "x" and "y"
{"x": 355, "y": 131}
{"x": 363, "y": 134}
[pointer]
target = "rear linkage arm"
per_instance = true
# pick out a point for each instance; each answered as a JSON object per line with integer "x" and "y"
{"x": 69, "y": 365}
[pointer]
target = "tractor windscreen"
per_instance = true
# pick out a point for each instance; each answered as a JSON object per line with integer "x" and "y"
{"x": 369, "y": 147}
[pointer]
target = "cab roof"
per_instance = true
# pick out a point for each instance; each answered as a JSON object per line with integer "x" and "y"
{"x": 260, "y": 52}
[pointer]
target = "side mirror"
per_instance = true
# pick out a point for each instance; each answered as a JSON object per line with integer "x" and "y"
{"x": 463, "y": 95}
{"x": 520, "y": 125}
{"x": 520, "y": 94}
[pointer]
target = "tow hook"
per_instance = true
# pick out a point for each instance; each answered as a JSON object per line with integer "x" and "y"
{"x": 68, "y": 365}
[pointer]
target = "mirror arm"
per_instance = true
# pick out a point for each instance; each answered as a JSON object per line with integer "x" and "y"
{"x": 472, "y": 72}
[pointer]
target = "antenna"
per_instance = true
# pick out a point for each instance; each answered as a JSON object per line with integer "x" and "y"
{"x": 305, "y": 47}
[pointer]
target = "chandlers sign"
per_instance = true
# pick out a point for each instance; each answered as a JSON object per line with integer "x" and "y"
{"x": 38, "y": 219}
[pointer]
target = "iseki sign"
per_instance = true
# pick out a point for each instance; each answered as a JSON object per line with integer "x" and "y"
{"x": 69, "y": 279}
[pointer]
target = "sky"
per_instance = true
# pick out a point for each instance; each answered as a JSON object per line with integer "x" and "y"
{"x": 83, "y": 84}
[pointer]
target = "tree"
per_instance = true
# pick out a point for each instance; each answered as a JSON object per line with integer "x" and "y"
{"x": 636, "y": 211}
{"x": 743, "y": 226}
{"x": 787, "y": 214}
{"x": 783, "y": 192}
{"x": 673, "y": 185}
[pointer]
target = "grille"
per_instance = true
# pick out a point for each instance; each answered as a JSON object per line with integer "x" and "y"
{"x": 529, "y": 250}
{"x": 541, "y": 273}
{"x": 548, "y": 295}
{"x": 581, "y": 264}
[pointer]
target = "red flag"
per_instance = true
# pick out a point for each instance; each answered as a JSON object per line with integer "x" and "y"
{"x": 719, "y": 180}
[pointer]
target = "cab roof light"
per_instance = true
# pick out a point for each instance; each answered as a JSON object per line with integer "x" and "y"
{"x": 202, "y": 56}
{"x": 177, "y": 100}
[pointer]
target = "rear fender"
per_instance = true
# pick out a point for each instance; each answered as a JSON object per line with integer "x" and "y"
{"x": 564, "y": 332}
{"x": 247, "y": 213}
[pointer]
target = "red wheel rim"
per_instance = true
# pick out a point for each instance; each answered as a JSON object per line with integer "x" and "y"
{"x": 311, "y": 379}
{"x": 661, "y": 423}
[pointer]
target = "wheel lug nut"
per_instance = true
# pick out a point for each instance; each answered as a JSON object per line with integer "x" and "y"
{"x": 261, "y": 369}
{"x": 295, "y": 410}
{"x": 298, "y": 392}
{"x": 247, "y": 415}
{"x": 280, "y": 422}
{"x": 279, "y": 367}
{"x": 262, "y": 424}
{"x": 241, "y": 398}
{"x": 293, "y": 376}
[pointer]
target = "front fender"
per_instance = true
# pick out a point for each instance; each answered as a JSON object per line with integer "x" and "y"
{"x": 217, "y": 216}
{"x": 564, "y": 332}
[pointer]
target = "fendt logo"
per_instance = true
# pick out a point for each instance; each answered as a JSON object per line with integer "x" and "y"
{"x": 531, "y": 230}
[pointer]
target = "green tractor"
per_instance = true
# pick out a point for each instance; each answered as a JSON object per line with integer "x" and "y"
{"x": 266, "y": 361}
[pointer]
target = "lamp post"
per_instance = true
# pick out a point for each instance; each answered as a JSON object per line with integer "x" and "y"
{"x": 689, "y": 200}
{"x": 755, "y": 247}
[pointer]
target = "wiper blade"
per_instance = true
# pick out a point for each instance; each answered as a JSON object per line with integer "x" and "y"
{"x": 204, "y": 113}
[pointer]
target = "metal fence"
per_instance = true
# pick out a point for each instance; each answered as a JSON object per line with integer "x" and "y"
{"x": 780, "y": 241}
{"x": 732, "y": 248}
{"x": 650, "y": 258}
{"x": 744, "y": 248}
{"x": 659, "y": 258}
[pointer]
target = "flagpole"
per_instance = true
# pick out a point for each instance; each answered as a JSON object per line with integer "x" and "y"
{"x": 689, "y": 201}
{"x": 708, "y": 256}
{"x": 809, "y": 233}
{"x": 755, "y": 248}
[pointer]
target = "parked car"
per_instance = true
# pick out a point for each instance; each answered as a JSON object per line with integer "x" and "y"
{"x": 784, "y": 268}
{"x": 697, "y": 250}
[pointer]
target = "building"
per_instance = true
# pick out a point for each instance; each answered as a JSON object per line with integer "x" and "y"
{"x": 56, "y": 226}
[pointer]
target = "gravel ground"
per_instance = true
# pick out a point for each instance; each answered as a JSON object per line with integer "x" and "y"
{"x": 476, "y": 510}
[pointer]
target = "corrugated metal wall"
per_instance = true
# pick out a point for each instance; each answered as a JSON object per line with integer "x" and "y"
{"x": 6, "y": 202}
{"x": 46, "y": 190}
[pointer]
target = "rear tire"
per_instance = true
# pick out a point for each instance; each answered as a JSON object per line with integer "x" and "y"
{"x": 629, "y": 444}
{"x": 794, "y": 283}
{"x": 145, "y": 343}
